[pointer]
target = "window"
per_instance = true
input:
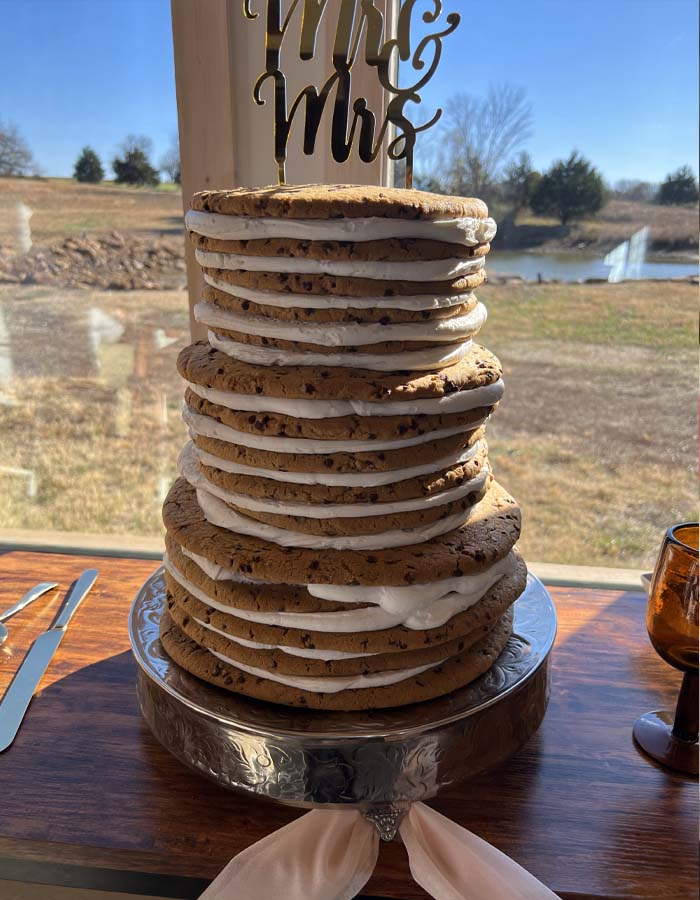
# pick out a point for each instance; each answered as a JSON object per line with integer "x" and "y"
{"x": 592, "y": 302}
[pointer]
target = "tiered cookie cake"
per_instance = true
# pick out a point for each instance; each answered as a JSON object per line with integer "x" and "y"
{"x": 336, "y": 539}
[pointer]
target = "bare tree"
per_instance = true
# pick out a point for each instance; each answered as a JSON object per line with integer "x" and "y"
{"x": 480, "y": 135}
{"x": 636, "y": 190}
{"x": 15, "y": 156}
{"x": 139, "y": 143}
{"x": 170, "y": 160}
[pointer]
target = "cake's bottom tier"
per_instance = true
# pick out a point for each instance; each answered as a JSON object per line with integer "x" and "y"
{"x": 433, "y": 681}
{"x": 288, "y": 667}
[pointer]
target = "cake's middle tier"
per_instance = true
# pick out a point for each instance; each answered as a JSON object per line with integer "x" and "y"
{"x": 384, "y": 305}
{"x": 337, "y": 459}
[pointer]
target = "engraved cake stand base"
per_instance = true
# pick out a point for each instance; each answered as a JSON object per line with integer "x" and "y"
{"x": 333, "y": 759}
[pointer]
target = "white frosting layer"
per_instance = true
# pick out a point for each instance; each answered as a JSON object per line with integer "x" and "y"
{"x": 217, "y": 572}
{"x": 417, "y": 607}
{"x": 208, "y": 427}
{"x": 189, "y": 468}
{"x": 290, "y": 651}
{"x": 334, "y": 684}
{"x": 399, "y": 270}
{"x": 287, "y": 300}
{"x": 335, "y": 334}
{"x": 465, "y": 231}
{"x": 218, "y": 513}
{"x": 439, "y": 357}
{"x": 338, "y": 479}
{"x": 459, "y": 401}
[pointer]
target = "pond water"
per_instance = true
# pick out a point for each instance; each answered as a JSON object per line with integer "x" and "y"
{"x": 574, "y": 266}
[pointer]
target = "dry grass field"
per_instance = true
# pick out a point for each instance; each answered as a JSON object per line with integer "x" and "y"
{"x": 595, "y": 435}
{"x": 62, "y": 208}
{"x": 90, "y": 405}
{"x": 672, "y": 230}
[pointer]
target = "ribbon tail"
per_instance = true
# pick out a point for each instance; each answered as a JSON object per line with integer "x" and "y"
{"x": 324, "y": 855}
{"x": 451, "y": 863}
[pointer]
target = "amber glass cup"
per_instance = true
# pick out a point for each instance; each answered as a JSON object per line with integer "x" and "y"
{"x": 672, "y": 621}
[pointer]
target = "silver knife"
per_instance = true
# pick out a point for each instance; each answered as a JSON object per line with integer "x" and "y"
{"x": 17, "y": 697}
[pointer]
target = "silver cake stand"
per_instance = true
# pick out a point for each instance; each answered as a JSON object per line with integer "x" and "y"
{"x": 380, "y": 761}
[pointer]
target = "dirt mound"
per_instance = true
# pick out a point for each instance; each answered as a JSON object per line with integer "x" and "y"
{"x": 112, "y": 261}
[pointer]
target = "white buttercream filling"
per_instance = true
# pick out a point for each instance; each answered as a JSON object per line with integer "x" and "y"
{"x": 334, "y": 684}
{"x": 335, "y": 334}
{"x": 399, "y": 270}
{"x": 287, "y": 300}
{"x": 290, "y": 651}
{"x": 438, "y": 357}
{"x": 216, "y": 572}
{"x": 419, "y": 609}
{"x": 208, "y": 427}
{"x": 188, "y": 467}
{"x": 467, "y": 231}
{"x": 300, "y": 408}
{"x": 218, "y": 513}
{"x": 339, "y": 479}
{"x": 395, "y": 599}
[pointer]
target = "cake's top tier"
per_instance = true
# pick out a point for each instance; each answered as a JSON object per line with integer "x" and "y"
{"x": 336, "y": 201}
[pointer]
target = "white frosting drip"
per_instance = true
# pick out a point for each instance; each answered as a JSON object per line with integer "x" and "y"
{"x": 208, "y": 427}
{"x": 426, "y": 605}
{"x": 189, "y": 468}
{"x": 300, "y": 408}
{"x": 398, "y": 270}
{"x": 218, "y": 513}
{"x": 466, "y": 231}
{"x": 290, "y": 651}
{"x": 334, "y": 684}
{"x": 439, "y": 357}
{"x": 287, "y": 300}
{"x": 335, "y": 334}
{"x": 417, "y": 607}
{"x": 339, "y": 479}
{"x": 216, "y": 572}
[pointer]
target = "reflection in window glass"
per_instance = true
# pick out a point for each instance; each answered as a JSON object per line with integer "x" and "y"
{"x": 93, "y": 308}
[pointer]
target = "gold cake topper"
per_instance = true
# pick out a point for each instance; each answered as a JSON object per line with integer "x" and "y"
{"x": 351, "y": 121}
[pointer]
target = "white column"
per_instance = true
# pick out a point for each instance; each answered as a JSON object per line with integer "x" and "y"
{"x": 226, "y": 140}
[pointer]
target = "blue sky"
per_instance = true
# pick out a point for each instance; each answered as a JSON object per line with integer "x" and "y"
{"x": 616, "y": 79}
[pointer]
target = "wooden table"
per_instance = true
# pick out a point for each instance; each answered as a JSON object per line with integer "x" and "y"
{"x": 89, "y": 799}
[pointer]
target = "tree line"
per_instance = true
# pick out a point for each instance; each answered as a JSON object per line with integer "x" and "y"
{"x": 478, "y": 152}
{"x": 132, "y": 164}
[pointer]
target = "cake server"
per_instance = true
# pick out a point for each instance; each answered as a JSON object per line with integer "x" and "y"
{"x": 32, "y": 594}
{"x": 14, "y": 704}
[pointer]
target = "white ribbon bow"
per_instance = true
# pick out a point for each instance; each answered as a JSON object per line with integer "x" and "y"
{"x": 331, "y": 854}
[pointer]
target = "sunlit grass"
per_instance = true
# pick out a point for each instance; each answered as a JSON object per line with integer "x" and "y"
{"x": 660, "y": 316}
{"x": 62, "y": 207}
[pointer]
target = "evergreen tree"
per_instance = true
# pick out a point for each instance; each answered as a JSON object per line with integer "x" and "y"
{"x": 570, "y": 189}
{"x": 134, "y": 165}
{"x": 520, "y": 183}
{"x": 679, "y": 188}
{"x": 88, "y": 167}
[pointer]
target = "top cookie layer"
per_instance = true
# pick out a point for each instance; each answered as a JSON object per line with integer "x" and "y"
{"x": 322, "y": 201}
